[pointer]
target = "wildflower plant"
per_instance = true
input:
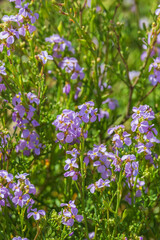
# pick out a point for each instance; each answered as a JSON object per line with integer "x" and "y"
{"x": 79, "y": 119}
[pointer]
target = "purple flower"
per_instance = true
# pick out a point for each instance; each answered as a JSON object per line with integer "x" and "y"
{"x": 138, "y": 112}
{"x": 143, "y": 111}
{"x": 22, "y": 30}
{"x": 73, "y": 174}
{"x": 131, "y": 169}
{"x": 5, "y": 175}
{"x": 142, "y": 126}
{"x": 78, "y": 71}
{"x": 112, "y": 103}
{"x": 11, "y": 18}
{"x": 133, "y": 74}
{"x": 21, "y": 176}
{"x": 91, "y": 235}
{"x": 78, "y": 90}
{"x": 44, "y": 57}
{"x": 68, "y": 64}
{"x": 71, "y": 234}
{"x": 103, "y": 114}
{"x": 23, "y": 115}
{"x": 21, "y": 110}
{"x": 131, "y": 183}
{"x": 151, "y": 131}
{"x": 121, "y": 137}
{"x": 2, "y": 87}
{"x": 74, "y": 152}
{"x": 87, "y": 112}
{"x": 19, "y": 238}
{"x": 99, "y": 184}
{"x": 71, "y": 66}
{"x": 155, "y": 78}
{"x": 2, "y": 68}
{"x": 144, "y": 148}
{"x": 36, "y": 214}
{"x": 119, "y": 140}
{"x": 20, "y": 199}
{"x": 35, "y": 123}
{"x": 30, "y": 188}
{"x": 9, "y": 35}
{"x": 59, "y": 44}
{"x": 33, "y": 98}
{"x": 25, "y": 12}
{"x": 68, "y": 123}
{"x": 89, "y": 3}
{"x": 16, "y": 99}
{"x": 67, "y": 88}
{"x": 70, "y": 164}
{"x": 128, "y": 157}
{"x": 1, "y": 47}
{"x": 4, "y": 193}
{"x": 115, "y": 129}
{"x": 70, "y": 213}
{"x": 30, "y": 28}
{"x": 157, "y": 12}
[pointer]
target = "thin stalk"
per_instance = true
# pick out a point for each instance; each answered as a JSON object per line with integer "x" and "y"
{"x": 38, "y": 232}
{"x": 83, "y": 186}
{"x": 118, "y": 202}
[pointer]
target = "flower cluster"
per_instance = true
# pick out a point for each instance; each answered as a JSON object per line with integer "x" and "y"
{"x": 155, "y": 49}
{"x": 145, "y": 133}
{"x": 70, "y": 213}
{"x": 155, "y": 78}
{"x": 101, "y": 159}
{"x": 18, "y": 192}
{"x": 19, "y": 238}
{"x": 68, "y": 123}
{"x": 59, "y": 45}
{"x": 71, "y": 66}
{"x": 88, "y": 112}
{"x": 23, "y": 117}
{"x": 17, "y": 25}
{"x": 2, "y": 72}
{"x": 120, "y": 137}
{"x": 107, "y": 162}
{"x": 131, "y": 166}
{"x": 99, "y": 184}
{"x": 139, "y": 185}
{"x": 71, "y": 165}
{"x": 4, "y": 150}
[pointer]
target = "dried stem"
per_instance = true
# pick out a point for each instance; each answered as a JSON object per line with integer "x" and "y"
{"x": 38, "y": 232}
{"x": 147, "y": 94}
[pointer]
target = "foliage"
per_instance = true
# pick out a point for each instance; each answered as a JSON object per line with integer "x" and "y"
{"x": 79, "y": 110}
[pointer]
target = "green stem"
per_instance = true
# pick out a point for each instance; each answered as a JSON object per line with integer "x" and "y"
{"x": 83, "y": 185}
{"x": 118, "y": 202}
{"x": 95, "y": 231}
{"x": 22, "y": 220}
